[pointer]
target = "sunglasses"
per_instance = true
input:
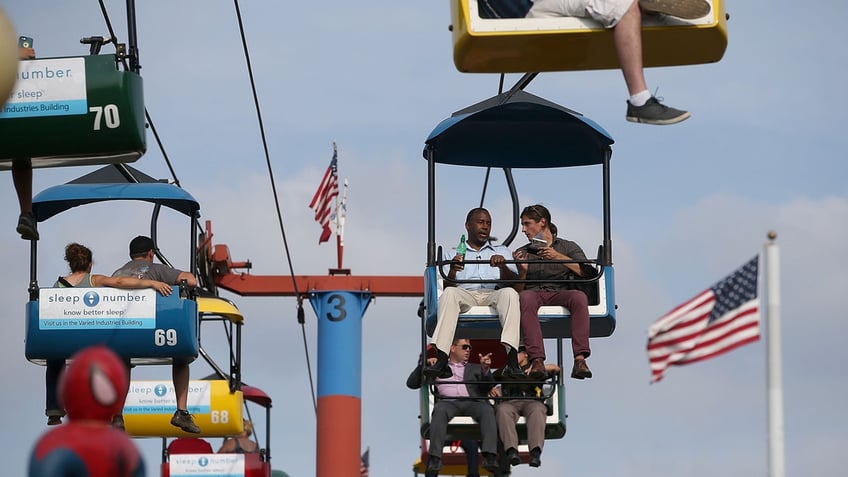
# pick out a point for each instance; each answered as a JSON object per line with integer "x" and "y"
{"x": 465, "y": 347}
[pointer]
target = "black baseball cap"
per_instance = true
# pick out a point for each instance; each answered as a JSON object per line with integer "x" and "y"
{"x": 141, "y": 244}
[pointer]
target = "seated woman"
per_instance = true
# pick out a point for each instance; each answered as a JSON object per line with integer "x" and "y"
{"x": 240, "y": 444}
{"x": 79, "y": 258}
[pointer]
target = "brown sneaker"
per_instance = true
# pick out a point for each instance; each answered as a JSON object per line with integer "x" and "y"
{"x": 537, "y": 369}
{"x": 184, "y": 421}
{"x": 685, "y": 9}
{"x": 580, "y": 370}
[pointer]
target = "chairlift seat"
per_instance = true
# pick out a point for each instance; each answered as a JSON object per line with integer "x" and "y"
{"x": 149, "y": 406}
{"x": 464, "y": 427}
{"x": 189, "y": 445}
{"x": 58, "y": 325}
{"x": 519, "y": 45}
{"x": 483, "y": 322}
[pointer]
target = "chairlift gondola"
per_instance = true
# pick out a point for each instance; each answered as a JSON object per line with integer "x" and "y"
{"x": 216, "y": 402}
{"x": 61, "y": 321}
{"x": 197, "y": 458}
{"x": 483, "y": 43}
{"x": 517, "y": 130}
{"x": 73, "y": 111}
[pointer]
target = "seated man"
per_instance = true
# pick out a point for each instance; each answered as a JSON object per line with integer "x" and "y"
{"x": 529, "y": 403}
{"x": 141, "y": 266}
{"x": 624, "y": 17}
{"x": 469, "y": 446}
{"x": 460, "y": 399}
{"x": 459, "y": 297}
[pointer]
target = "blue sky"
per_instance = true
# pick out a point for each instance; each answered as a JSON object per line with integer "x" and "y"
{"x": 691, "y": 203}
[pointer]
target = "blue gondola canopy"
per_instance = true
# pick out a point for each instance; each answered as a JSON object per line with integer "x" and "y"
{"x": 518, "y": 130}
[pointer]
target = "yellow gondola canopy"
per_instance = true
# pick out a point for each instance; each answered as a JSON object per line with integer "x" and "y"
{"x": 208, "y": 305}
{"x": 492, "y": 36}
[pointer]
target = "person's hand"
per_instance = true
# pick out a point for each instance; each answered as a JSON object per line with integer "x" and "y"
{"x": 163, "y": 288}
{"x": 26, "y": 53}
{"x": 456, "y": 267}
{"x": 485, "y": 361}
{"x": 431, "y": 361}
{"x": 497, "y": 261}
{"x": 549, "y": 253}
{"x": 521, "y": 255}
{"x": 495, "y": 392}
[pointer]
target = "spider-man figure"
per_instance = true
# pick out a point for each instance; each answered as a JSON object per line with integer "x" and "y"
{"x": 92, "y": 390}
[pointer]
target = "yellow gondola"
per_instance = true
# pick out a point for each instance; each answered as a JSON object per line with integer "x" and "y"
{"x": 519, "y": 45}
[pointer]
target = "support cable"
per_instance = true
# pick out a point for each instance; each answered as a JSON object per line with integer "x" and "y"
{"x": 168, "y": 163}
{"x": 274, "y": 189}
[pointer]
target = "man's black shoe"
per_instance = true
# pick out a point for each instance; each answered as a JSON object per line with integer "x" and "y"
{"x": 490, "y": 462}
{"x": 434, "y": 464}
{"x": 440, "y": 368}
{"x": 512, "y": 456}
{"x": 27, "y": 226}
{"x": 512, "y": 370}
{"x": 535, "y": 457}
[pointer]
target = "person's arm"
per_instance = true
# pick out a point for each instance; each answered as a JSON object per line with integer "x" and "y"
{"x": 130, "y": 282}
{"x": 485, "y": 375}
{"x": 565, "y": 251}
{"x": 414, "y": 379}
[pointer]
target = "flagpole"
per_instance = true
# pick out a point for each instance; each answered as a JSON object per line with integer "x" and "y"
{"x": 340, "y": 222}
{"x": 774, "y": 364}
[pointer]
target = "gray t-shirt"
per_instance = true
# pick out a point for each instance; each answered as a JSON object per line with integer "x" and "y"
{"x": 143, "y": 269}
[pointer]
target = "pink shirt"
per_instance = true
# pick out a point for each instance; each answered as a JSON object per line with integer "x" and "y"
{"x": 453, "y": 390}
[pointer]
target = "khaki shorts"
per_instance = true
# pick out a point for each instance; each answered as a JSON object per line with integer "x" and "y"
{"x": 607, "y": 12}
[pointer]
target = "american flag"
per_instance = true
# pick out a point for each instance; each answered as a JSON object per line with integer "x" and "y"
{"x": 719, "y": 319}
{"x": 324, "y": 200}
{"x": 363, "y": 466}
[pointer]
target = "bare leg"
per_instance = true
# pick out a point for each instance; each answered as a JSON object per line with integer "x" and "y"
{"x": 182, "y": 418}
{"x": 180, "y": 375}
{"x": 22, "y": 178}
{"x": 628, "y": 46}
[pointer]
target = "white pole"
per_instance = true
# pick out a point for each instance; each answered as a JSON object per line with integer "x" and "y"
{"x": 774, "y": 364}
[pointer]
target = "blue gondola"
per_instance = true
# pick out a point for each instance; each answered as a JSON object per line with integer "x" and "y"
{"x": 518, "y": 130}
{"x": 63, "y": 321}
